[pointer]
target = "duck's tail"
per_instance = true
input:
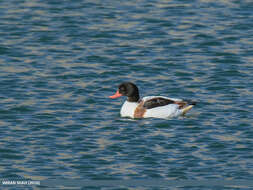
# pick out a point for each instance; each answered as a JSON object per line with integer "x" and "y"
{"x": 188, "y": 107}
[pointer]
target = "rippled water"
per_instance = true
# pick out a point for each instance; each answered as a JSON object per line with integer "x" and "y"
{"x": 60, "y": 61}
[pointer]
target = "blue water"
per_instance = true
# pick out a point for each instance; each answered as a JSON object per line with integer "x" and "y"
{"x": 60, "y": 60}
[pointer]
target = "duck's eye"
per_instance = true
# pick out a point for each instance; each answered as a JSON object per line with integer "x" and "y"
{"x": 122, "y": 89}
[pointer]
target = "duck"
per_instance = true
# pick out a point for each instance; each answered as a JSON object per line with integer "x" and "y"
{"x": 149, "y": 106}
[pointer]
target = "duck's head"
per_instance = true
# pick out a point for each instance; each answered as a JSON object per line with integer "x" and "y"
{"x": 127, "y": 89}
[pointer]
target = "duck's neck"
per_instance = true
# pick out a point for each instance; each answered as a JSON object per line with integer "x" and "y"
{"x": 134, "y": 98}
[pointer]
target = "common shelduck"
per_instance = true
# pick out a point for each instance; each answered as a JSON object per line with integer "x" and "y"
{"x": 149, "y": 106}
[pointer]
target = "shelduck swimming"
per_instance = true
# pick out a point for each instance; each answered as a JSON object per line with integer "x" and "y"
{"x": 149, "y": 106}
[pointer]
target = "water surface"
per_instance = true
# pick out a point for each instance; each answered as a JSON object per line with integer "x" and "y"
{"x": 60, "y": 61}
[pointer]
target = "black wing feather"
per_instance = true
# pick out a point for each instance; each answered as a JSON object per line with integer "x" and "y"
{"x": 157, "y": 102}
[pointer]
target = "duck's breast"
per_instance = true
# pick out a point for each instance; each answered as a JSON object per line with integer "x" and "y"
{"x": 128, "y": 109}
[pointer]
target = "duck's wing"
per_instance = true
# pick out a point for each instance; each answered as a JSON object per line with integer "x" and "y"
{"x": 157, "y": 102}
